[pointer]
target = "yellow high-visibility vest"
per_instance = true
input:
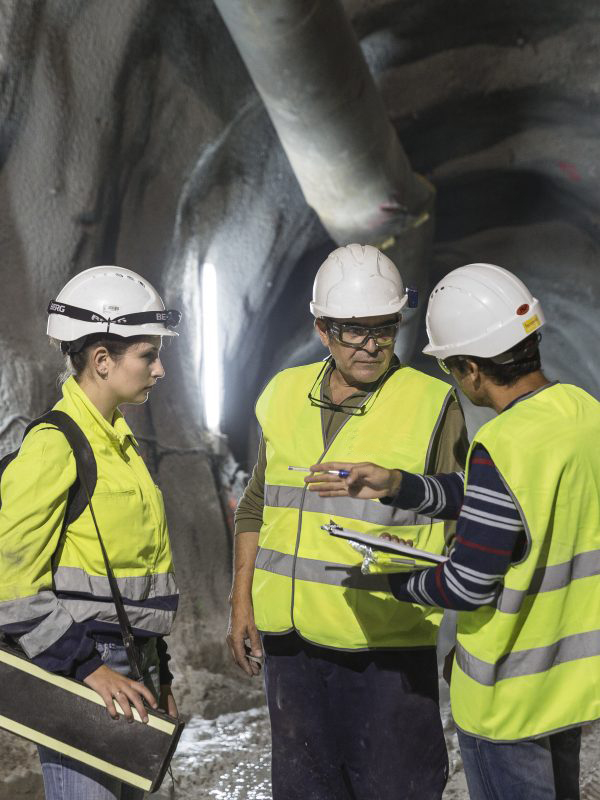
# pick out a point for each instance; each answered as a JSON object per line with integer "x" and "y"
{"x": 306, "y": 579}
{"x": 531, "y": 665}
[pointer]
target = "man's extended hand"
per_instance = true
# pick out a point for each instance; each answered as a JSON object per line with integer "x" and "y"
{"x": 242, "y": 628}
{"x": 365, "y": 481}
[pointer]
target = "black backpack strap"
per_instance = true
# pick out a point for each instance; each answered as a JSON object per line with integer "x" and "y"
{"x": 80, "y": 496}
{"x": 85, "y": 461}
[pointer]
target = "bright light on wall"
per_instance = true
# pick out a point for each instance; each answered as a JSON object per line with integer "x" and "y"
{"x": 211, "y": 365}
{"x": 193, "y": 311}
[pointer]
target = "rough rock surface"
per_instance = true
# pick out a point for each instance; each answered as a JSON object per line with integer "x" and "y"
{"x": 130, "y": 133}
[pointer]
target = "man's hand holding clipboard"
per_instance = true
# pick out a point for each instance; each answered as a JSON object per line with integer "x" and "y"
{"x": 383, "y": 554}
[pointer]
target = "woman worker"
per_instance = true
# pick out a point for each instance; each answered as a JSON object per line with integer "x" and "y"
{"x": 55, "y": 598}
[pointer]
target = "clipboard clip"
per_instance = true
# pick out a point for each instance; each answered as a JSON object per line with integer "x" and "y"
{"x": 332, "y": 526}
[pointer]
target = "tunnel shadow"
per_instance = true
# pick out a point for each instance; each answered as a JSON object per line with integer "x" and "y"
{"x": 290, "y": 331}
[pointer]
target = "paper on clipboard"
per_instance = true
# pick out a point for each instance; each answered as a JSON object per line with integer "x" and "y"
{"x": 376, "y": 543}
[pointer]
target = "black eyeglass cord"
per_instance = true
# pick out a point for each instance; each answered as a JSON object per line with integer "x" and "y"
{"x": 351, "y": 411}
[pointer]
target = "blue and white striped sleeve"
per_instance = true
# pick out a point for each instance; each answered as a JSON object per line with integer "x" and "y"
{"x": 489, "y": 533}
{"x": 439, "y": 496}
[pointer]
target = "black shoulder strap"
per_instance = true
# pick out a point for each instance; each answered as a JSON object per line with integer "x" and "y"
{"x": 80, "y": 496}
{"x": 85, "y": 461}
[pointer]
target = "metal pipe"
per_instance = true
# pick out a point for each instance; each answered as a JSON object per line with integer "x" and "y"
{"x": 307, "y": 65}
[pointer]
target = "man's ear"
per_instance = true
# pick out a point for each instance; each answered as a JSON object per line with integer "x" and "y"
{"x": 321, "y": 329}
{"x": 472, "y": 372}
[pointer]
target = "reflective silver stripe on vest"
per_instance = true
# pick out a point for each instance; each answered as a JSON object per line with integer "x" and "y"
{"x": 22, "y": 609}
{"x": 349, "y": 507}
{"x": 138, "y": 587}
{"x": 310, "y": 569}
{"x": 548, "y": 579}
{"x": 529, "y": 662}
{"x": 47, "y": 632}
{"x": 154, "y": 620}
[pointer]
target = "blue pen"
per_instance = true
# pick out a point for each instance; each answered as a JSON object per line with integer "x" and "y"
{"x": 341, "y": 473}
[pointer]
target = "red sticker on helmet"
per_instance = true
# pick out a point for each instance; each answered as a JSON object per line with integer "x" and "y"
{"x": 523, "y": 309}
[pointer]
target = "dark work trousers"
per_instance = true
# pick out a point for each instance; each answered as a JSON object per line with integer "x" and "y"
{"x": 353, "y": 726}
{"x": 565, "y": 747}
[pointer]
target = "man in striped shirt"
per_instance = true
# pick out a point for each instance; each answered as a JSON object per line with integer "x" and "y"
{"x": 492, "y": 352}
{"x": 490, "y": 536}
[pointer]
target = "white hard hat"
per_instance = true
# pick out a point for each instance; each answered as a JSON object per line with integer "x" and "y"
{"x": 109, "y": 300}
{"x": 480, "y": 310}
{"x": 357, "y": 281}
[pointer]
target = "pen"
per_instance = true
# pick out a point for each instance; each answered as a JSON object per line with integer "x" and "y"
{"x": 341, "y": 473}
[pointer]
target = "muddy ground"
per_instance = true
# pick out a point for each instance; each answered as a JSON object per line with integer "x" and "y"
{"x": 226, "y": 756}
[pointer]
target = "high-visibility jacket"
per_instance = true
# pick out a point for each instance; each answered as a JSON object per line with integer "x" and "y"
{"x": 304, "y": 578}
{"x": 531, "y": 665}
{"x": 51, "y": 584}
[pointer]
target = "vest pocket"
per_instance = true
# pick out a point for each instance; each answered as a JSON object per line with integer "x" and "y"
{"x": 110, "y": 497}
{"x": 127, "y": 528}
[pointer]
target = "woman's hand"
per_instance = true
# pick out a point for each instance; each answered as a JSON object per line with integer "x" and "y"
{"x": 167, "y": 701}
{"x": 366, "y": 481}
{"x": 112, "y": 686}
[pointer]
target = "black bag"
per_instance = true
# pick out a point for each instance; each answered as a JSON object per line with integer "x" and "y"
{"x": 35, "y": 703}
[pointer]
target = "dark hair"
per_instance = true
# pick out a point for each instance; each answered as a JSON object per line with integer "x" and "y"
{"x": 506, "y": 368}
{"x": 117, "y": 346}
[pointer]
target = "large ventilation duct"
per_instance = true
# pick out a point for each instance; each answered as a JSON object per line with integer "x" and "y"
{"x": 309, "y": 69}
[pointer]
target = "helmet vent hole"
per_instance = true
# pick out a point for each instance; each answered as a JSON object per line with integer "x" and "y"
{"x": 523, "y": 309}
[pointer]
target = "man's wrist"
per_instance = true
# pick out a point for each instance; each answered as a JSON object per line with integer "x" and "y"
{"x": 395, "y": 482}
{"x": 240, "y": 593}
{"x": 397, "y": 583}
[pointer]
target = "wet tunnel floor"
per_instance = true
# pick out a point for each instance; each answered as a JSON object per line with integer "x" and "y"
{"x": 228, "y": 758}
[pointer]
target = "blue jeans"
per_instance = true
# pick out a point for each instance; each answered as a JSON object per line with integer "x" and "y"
{"x": 536, "y": 769}
{"x": 67, "y": 779}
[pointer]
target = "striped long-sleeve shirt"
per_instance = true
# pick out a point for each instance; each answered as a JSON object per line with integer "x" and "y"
{"x": 489, "y": 535}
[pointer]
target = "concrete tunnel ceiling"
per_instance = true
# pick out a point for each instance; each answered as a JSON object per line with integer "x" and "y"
{"x": 496, "y": 103}
{"x": 132, "y": 134}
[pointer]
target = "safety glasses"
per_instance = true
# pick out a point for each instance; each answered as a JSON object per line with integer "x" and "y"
{"x": 443, "y": 366}
{"x": 357, "y": 336}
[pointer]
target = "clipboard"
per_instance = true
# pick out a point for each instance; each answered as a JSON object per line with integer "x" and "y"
{"x": 376, "y": 543}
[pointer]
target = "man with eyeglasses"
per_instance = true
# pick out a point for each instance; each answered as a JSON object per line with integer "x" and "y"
{"x": 351, "y": 675}
{"x": 524, "y": 572}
